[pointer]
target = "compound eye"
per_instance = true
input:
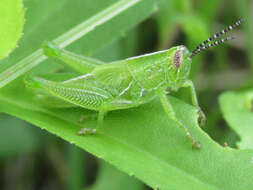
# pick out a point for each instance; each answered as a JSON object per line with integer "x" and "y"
{"x": 178, "y": 57}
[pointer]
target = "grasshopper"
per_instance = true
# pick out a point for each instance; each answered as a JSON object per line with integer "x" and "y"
{"x": 127, "y": 83}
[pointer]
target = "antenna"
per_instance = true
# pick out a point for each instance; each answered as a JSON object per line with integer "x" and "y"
{"x": 204, "y": 46}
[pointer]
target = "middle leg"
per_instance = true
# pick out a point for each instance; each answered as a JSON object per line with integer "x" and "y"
{"x": 100, "y": 119}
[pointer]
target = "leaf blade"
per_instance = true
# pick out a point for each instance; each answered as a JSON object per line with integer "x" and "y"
{"x": 236, "y": 108}
{"x": 11, "y": 26}
{"x": 153, "y": 149}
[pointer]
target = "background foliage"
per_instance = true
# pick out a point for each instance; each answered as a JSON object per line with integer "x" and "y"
{"x": 147, "y": 145}
{"x": 11, "y": 26}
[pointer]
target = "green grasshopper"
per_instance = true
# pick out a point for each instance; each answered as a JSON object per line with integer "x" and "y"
{"x": 127, "y": 83}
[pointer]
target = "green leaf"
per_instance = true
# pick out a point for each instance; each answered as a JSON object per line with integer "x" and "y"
{"x": 110, "y": 178}
{"x": 11, "y": 25}
{"x": 143, "y": 142}
{"x": 114, "y": 17}
{"x": 237, "y": 110}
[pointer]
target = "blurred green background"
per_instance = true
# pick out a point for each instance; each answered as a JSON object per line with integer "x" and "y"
{"x": 34, "y": 159}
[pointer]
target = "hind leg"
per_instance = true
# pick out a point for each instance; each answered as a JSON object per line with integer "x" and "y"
{"x": 83, "y": 92}
{"x": 79, "y": 63}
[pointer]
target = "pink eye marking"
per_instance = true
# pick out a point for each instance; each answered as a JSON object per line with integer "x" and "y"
{"x": 178, "y": 58}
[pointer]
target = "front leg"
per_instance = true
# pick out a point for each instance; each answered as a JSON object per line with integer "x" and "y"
{"x": 202, "y": 117}
{"x": 171, "y": 114}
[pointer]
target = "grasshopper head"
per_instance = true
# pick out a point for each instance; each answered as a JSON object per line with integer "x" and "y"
{"x": 182, "y": 63}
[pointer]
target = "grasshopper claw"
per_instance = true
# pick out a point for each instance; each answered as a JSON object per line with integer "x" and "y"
{"x": 201, "y": 118}
{"x": 196, "y": 145}
{"x": 86, "y": 131}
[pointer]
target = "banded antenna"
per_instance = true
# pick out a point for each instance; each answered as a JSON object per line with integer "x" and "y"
{"x": 204, "y": 46}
